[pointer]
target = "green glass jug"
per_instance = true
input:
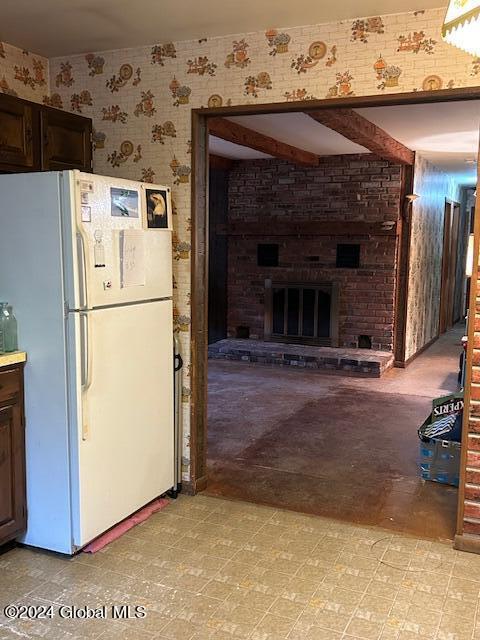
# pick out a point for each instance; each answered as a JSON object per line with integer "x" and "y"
{"x": 8, "y": 329}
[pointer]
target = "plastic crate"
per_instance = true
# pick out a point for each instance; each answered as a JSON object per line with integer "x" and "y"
{"x": 439, "y": 459}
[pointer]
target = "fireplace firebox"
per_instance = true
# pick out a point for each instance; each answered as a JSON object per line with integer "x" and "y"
{"x": 305, "y": 313}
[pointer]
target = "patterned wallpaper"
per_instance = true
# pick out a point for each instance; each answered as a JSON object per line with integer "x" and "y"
{"x": 140, "y": 99}
{"x": 23, "y": 74}
{"x": 433, "y": 186}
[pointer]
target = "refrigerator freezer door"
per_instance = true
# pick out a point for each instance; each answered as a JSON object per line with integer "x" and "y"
{"x": 108, "y": 232}
{"x": 124, "y": 450}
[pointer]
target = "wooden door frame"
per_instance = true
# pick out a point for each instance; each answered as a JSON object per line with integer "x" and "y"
{"x": 199, "y": 256}
{"x": 447, "y": 227}
{"x": 457, "y": 206}
{"x": 455, "y": 214}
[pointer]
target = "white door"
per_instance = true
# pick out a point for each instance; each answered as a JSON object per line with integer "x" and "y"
{"x": 124, "y": 440}
{"x": 98, "y": 235}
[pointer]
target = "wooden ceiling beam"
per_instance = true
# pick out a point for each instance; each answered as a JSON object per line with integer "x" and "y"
{"x": 237, "y": 133}
{"x": 358, "y": 129}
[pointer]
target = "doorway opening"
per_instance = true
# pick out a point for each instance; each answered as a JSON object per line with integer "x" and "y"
{"x": 321, "y": 278}
{"x": 452, "y": 266}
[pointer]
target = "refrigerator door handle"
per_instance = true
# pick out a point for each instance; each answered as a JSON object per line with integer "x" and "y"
{"x": 82, "y": 271}
{"x": 84, "y": 348}
{"x": 86, "y": 368}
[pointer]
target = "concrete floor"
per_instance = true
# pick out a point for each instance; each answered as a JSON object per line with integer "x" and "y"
{"x": 344, "y": 448}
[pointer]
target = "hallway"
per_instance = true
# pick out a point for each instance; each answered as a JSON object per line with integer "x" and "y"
{"x": 340, "y": 447}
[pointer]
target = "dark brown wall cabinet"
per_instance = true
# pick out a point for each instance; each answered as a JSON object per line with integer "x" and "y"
{"x": 13, "y": 512}
{"x": 16, "y": 134}
{"x": 34, "y": 137}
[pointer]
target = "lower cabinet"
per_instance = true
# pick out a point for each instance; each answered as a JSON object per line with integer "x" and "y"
{"x": 13, "y": 508}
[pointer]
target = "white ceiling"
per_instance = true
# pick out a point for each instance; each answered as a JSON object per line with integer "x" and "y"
{"x": 63, "y": 27}
{"x": 220, "y": 147}
{"x": 301, "y": 131}
{"x": 445, "y": 133}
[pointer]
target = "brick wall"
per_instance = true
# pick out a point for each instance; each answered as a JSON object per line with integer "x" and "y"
{"x": 267, "y": 195}
{"x": 471, "y": 506}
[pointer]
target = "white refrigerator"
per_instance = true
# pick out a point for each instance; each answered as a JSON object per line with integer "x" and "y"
{"x": 86, "y": 262}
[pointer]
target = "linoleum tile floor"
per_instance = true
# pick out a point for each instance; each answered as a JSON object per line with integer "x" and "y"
{"x": 207, "y": 568}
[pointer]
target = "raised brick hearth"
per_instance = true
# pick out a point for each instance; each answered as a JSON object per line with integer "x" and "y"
{"x": 357, "y": 362}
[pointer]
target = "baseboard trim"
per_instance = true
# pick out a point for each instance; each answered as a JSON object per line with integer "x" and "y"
{"x": 200, "y": 484}
{"x": 187, "y": 488}
{"x": 467, "y": 542}
{"x": 420, "y": 351}
{"x": 192, "y": 487}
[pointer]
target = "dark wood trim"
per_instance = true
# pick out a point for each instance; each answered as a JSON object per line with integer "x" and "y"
{"x": 355, "y": 102}
{"x": 404, "y": 230}
{"x": 313, "y": 229}
{"x": 467, "y": 542}
{"x": 193, "y": 487}
{"x": 219, "y": 162}
{"x": 419, "y": 352}
{"x": 200, "y": 234}
{"x": 200, "y": 484}
{"x": 238, "y": 134}
{"x": 199, "y": 284}
{"x": 355, "y": 127}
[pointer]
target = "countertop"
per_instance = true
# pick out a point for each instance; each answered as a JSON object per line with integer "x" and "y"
{"x": 7, "y": 359}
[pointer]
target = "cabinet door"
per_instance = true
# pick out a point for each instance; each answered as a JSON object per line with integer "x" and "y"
{"x": 12, "y": 458}
{"x": 16, "y": 135}
{"x": 66, "y": 141}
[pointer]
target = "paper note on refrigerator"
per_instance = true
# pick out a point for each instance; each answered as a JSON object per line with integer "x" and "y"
{"x": 132, "y": 258}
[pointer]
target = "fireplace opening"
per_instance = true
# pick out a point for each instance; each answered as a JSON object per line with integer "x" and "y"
{"x": 305, "y": 313}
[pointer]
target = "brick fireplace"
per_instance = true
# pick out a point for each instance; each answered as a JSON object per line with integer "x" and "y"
{"x": 315, "y": 234}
